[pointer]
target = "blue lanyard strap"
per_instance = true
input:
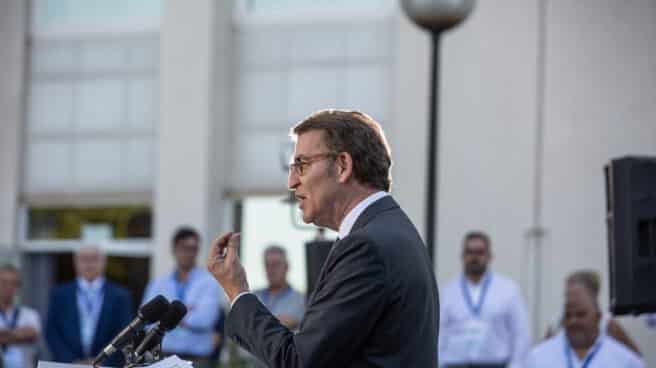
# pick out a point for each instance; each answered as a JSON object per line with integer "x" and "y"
{"x": 182, "y": 287}
{"x": 10, "y": 322}
{"x": 588, "y": 357}
{"x": 475, "y": 309}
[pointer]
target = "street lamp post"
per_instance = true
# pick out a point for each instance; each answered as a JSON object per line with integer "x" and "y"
{"x": 436, "y": 16}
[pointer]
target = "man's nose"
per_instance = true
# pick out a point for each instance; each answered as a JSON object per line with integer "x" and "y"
{"x": 292, "y": 180}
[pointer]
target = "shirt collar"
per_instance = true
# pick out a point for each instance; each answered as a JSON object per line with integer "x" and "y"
{"x": 191, "y": 275}
{"x": 595, "y": 346}
{"x": 94, "y": 285}
{"x": 472, "y": 285}
{"x": 350, "y": 219}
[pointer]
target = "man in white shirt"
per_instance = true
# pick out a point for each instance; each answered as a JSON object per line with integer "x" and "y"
{"x": 19, "y": 325}
{"x": 483, "y": 319}
{"x": 581, "y": 344}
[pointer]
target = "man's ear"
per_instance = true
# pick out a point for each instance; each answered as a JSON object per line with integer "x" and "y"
{"x": 344, "y": 166}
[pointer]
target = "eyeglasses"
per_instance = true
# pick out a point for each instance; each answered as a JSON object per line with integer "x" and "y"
{"x": 300, "y": 165}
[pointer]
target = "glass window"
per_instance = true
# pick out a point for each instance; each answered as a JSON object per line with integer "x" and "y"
{"x": 93, "y": 100}
{"x": 78, "y": 14}
{"x": 70, "y": 223}
{"x": 281, "y": 6}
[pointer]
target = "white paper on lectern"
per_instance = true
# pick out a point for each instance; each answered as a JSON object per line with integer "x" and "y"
{"x": 171, "y": 362}
{"x": 43, "y": 364}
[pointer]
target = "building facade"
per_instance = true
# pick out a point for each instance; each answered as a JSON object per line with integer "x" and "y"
{"x": 181, "y": 113}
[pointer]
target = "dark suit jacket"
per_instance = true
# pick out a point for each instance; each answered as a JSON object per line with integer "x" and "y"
{"x": 375, "y": 304}
{"x": 63, "y": 323}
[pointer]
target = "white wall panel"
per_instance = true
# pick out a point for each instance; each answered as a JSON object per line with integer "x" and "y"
{"x": 100, "y": 105}
{"x": 48, "y": 166}
{"x": 143, "y": 54}
{"x": 369, "y": 43}
{"x": 97, "y": 165}
{"x": 54, "y": 57}
{"x": 142, "y": 104}
{"x": 312, "y": 89}
{"x": 50, "y": 107}
{"x": 261, "y": 100}
{"x": 258, "y": 163}
{"x": 138, "y": 163}
{"x": 104, "y": 56}
{"x": 318, "y": 45}
{"x": 368, "y": 90}
{"x": 265, "y": 47}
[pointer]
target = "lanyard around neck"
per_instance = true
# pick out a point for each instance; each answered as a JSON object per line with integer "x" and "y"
{"x": 588, "y": 357}
{"x": 10, "y": 322}
{"x": 475, "y": 309}
{"x": 182, "y": 287}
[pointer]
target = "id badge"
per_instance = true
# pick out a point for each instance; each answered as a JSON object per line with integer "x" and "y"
{"x": 469, "y": 342}
{"x": 475, "y": 332}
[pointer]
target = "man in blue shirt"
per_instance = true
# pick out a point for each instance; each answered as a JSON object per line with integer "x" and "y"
{"x": 195, "y": 287}
{"x": 279, "y": 297}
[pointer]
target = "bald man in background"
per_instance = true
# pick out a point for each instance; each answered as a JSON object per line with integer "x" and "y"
{"x": 582, "y": 344}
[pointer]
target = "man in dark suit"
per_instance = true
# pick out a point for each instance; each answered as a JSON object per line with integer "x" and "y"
{"x": 86, "y": 313}
{"x": 376, "y": 301}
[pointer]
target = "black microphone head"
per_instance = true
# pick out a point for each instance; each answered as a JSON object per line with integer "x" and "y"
{"x": 154, "y": 310}
{"x": 173, "y": 316}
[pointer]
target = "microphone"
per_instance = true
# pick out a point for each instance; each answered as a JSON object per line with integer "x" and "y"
{"x": 148, "y": 313}
{"x": 169, "y": 320}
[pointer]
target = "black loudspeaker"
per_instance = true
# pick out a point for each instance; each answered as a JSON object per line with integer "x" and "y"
{"x": 316, "y": 253}
{"x": 631, "y": 220}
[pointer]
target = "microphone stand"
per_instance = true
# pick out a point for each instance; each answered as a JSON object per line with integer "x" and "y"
{"x": 152, "y": 355}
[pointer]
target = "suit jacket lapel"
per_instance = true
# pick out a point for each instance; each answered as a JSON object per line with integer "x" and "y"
{"x": 369, "y": 213}
{"x": 103, "y": 319}
{"x": 322, "y": 273}
{"x": 76, "y": 324}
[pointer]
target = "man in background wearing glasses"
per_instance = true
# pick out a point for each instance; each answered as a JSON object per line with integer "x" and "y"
{"x": 375, "y": 302}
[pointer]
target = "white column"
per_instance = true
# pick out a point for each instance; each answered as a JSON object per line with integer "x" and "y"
{"x": 193, "y": 118}
{"x": 12, "y": 58}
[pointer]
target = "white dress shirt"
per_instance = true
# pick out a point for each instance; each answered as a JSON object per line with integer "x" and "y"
{"x": 20, "y": 355}
{"x": 353, "y": 215}
{"x": 605, "y": 353}
{"x": 491, "y": 328}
